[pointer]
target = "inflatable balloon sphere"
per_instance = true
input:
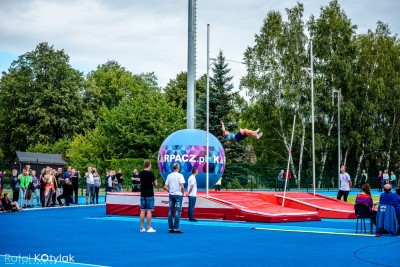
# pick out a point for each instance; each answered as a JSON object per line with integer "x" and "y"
{"x": 188, "y": 148}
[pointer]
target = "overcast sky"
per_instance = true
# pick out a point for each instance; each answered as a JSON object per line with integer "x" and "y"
{"x": 151, "y": 35}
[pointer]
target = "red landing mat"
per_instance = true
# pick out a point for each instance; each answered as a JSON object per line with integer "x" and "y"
{"x": 326, "y": 207}
{"x": 259, "y": 207}
{"x": 241, "y": 206}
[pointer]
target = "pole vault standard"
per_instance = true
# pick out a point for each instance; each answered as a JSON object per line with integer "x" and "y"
{"x": 312, "y": 111}
{"x": 310, "y": 72}
{"x": 289, "y": 158}
{"x": 208, "y": 110}
{"x": 338, "y": 92}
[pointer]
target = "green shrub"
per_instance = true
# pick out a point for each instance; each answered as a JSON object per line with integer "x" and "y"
{"x": 234, "y": 184}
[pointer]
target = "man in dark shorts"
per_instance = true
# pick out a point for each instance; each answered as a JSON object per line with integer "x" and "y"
{"x": 147, "y": 181}
{"x": 241, "y": 135}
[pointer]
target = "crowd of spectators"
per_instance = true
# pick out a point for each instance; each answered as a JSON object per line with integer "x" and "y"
{"x": 388, "y": 197}
{"x": 55, "y": 187}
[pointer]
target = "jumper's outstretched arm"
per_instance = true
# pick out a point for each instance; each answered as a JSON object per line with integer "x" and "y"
{"x": 223, "y": 128}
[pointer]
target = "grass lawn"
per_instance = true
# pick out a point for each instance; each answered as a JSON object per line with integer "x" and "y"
{"x": 352, "y": 199}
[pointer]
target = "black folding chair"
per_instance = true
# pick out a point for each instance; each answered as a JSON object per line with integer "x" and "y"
{"x": 362, "y": 211}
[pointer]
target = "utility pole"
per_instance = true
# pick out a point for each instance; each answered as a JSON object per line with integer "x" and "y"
{"x": 191, "y": 74}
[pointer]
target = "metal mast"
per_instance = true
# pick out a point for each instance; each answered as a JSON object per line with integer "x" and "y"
{"x": 191, "y": 73}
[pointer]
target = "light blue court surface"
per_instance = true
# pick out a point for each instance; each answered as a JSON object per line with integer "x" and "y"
{"x": 86, "y": 236}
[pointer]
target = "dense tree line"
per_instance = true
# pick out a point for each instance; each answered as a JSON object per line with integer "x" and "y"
{"x": 111, "y": 113}
{"x": 364, "y": 67}
{"x": 40, "y": 98}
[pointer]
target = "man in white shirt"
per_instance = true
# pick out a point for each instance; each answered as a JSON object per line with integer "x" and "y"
{"x": 89, "y": 185}
{"x": 192, "y": 192}
{"x": 345, "y": 184}
{"x": 174, "y": 185}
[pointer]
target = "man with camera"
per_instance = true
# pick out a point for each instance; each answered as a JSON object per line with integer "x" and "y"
{"x": 66, "y": 193}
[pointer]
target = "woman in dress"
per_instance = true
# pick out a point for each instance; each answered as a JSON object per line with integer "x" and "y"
{"x": 49, "y": 190}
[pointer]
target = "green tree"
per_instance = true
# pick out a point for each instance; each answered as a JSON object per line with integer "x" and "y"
{"x": 176, "y": 90}
{"x": 234, "y": 184}
{"x": 87, "y": 148}
{"x": 295, "y": 91}
{"x": 221, "y": 105}
{"x": 59, "y": 147}
{"x": 135, "y": 129}
{"x": 276, "y": 84}
{"x": 376, "y": 81}
{"x": 262, "y": 82}
{"x": 333, "y": 51}
{"x": 366, "y": 70}
{"x": 224, "y": 105}
{"x": 110, "y": 83}
{"x": 40, "y": 100}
